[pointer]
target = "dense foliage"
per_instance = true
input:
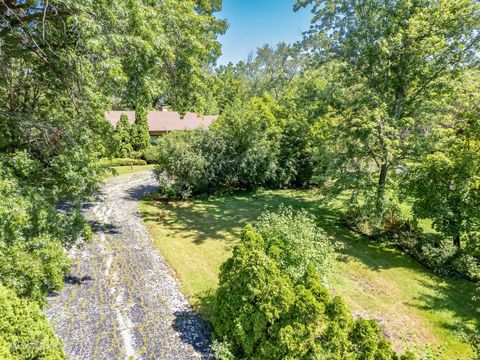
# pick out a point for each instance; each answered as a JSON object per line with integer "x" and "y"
{"x": 129, "y": 140}
{"x": 123, "y": 162}
{"x": 62, "y": 64}
{"x": 24, "y": 330}
{"x": 378, "y": 103}
{"x": 253, "y": 144}
{"x": 295, "y": 242}
{"x": 264, "y": 313}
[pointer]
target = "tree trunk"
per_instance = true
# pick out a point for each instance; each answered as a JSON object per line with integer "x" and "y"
{"x": 382, "y": 179}
{"x": 456, "y": 241}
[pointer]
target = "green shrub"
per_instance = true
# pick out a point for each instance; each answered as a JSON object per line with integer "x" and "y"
{"x": 238, "y": 152}
{"x": 139, "y": 131}
{"x": 442, "y": 257}
{"x": 123, "y": 162}
{"x": 263, "y": 313}
{"x": 150, "y": 154}
{"x": 222, "y": 351}
{"x": 32, "y": 258}
{"x": 122, "y": 137}
{"x": 294, "y": 241}
{"x": 189, "y": 162}
{"x": 24, "y": 330}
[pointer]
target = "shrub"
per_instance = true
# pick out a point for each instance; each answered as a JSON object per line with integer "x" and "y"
{"x": 222, "y": 351}
{"x": 150, "y": 154}
{"x": 24, "y": 330}
{"x": 441, "y": 257}
{"x": 189, "y": 162}
{"x": 251, "y": 132}
{"x": 139, "y": 131}
{"x": 294, "y": 241}
{"x": 122, "y": 137}
{"x": 124, "y": 162}
{"x": 263, "y": 313}
{"x": 239, "y": 152}
{"x": 32, "y": 259}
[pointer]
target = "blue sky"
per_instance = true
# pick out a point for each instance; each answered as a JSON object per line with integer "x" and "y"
{"x": 253, "y": 23}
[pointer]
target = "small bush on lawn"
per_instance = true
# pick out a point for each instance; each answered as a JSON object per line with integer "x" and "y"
{"x": 295, "y": 242}
{"x": 24, "y": 330}
{"x": 262, "y": 312}
{"x": 124, "y": 162}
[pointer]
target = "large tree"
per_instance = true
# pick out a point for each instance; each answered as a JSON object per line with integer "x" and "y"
{"x": 394, "y": 62}
{"x": 62, "y": 64}
{"x": 445, "y": 183}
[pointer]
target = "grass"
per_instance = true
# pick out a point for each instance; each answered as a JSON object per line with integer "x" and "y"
{"x": 413, "y": 306}
{"x": 122, "y": 170}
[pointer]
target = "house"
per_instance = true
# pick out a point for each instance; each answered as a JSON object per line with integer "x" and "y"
{"x": 160, "y": 122}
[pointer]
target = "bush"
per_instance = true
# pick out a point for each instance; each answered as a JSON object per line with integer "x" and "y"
{"x": 239, "y": 152}
{"x": 263, "y": 313}
{"x": 32, "y": 259}
{"x": 442, "y": 257}
{"x": 294, "y": 241}
{"x": 24, "y": 330}
{"x": 124, "y": 162}
{"x": 150, "y": 154}
{"x": 189, "y": 162}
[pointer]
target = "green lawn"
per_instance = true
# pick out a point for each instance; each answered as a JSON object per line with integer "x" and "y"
{"x": 412, "y": 305}
{"x": 121, "y": 170}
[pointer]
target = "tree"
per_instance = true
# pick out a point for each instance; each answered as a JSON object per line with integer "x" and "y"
{"x": 394, "y": 61}
{"x": 139, "y": 132}
{"x": 164, "y": 47}
{"x": 272, "y": 69}
{"x": 62, "y": 64}
{"x": 123, "y": 136}
{"x": 445, "y": 184}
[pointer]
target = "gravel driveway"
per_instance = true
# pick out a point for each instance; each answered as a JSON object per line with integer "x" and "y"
{"x": 121, "y": 301}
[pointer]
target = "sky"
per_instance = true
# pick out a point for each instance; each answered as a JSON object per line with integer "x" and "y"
{"x": 253, "y": 23}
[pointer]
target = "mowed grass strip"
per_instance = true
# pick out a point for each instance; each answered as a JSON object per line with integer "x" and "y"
{"x": 413, "y": 306}
{"x": 122, "y": 170}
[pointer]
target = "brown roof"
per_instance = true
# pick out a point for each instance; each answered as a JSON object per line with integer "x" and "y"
{"x": 161, "y": 121}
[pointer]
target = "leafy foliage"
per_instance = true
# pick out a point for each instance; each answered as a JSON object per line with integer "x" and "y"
{"x": 263, "y": 313}
{"x": 24, "y": 330}
{"x": 236, "y": 153}
{"x": 140, "y": 136}
{"x": 123, "y": 162}
{"x": 394, "y": 64}
{"x": 62, "y": 65}
{"x": 295, "y": 242}
{"x": 122, "y": 136}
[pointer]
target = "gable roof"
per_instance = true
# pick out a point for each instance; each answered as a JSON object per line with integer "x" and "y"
{"x": 161, "y": 121}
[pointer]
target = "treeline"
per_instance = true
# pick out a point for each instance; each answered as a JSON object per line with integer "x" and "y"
{"x": 62, "y": 65}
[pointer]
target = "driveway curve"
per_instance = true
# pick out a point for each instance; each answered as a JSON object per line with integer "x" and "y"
{"x": 121, "y": 301}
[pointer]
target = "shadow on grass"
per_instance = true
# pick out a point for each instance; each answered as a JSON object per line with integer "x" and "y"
{"x": 221, "y": 218}
{"x": 455, "y": 296}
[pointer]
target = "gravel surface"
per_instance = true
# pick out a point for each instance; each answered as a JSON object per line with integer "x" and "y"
{"x": 121, "y": 301}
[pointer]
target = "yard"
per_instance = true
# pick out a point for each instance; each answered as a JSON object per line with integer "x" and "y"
{"x": 122, "y": 170}
{"x": 412, "y": 305}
